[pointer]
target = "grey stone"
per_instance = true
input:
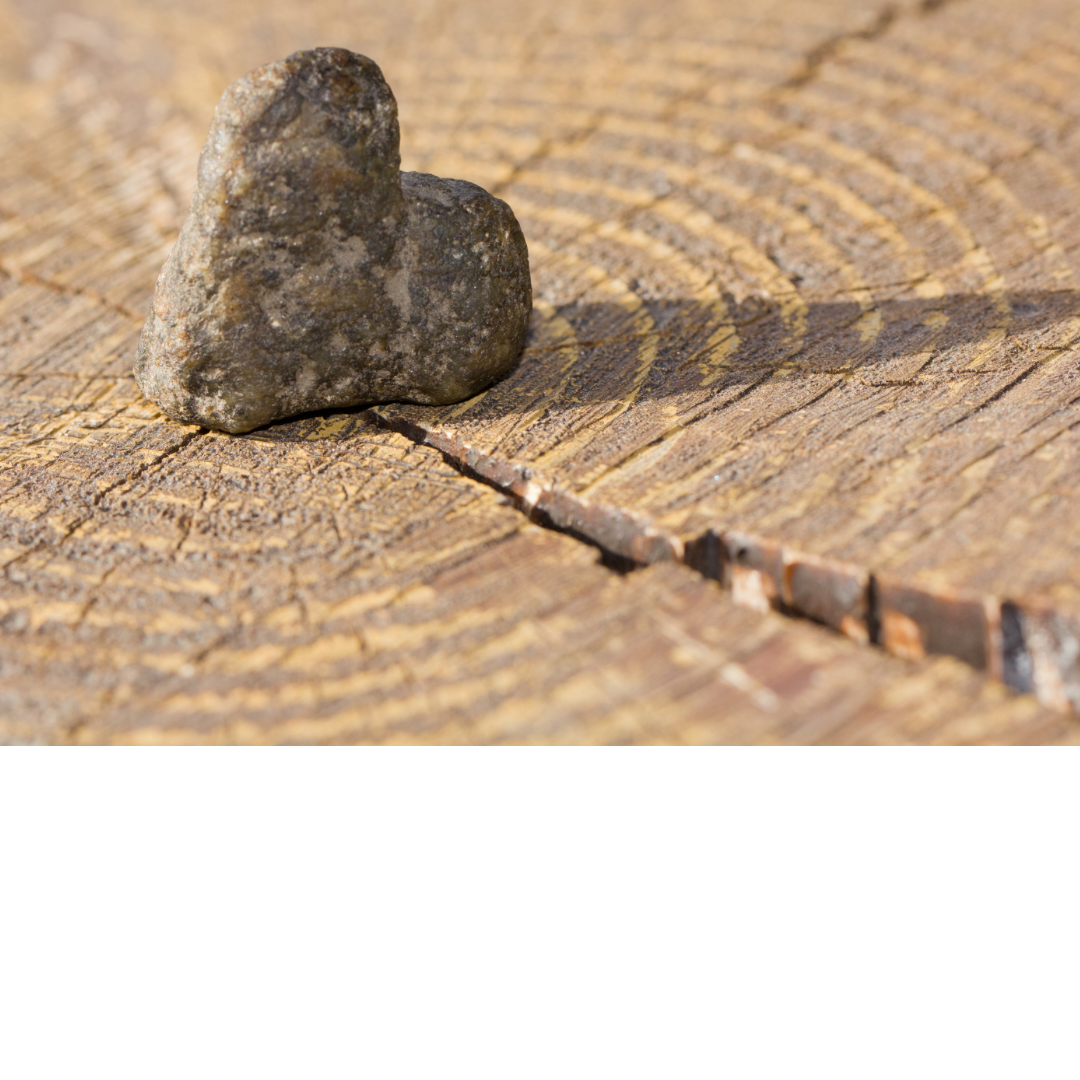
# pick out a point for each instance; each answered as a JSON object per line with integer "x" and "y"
{"x": 311, "y": 273}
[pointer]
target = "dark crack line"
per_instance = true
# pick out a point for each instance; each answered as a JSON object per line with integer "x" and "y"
{"x": 992, "y": 399}
{"x": 27, "y": 277}
{"x": 98, "y": 496}
{"x": 627, "y": 541}
{"x": 817, "y": 57}
{"x": 827, "y": 50}
{"x": 546, "y": 149}
{"x": 143, "y": 469}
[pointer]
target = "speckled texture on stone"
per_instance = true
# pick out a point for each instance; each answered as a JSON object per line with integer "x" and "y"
{"x": 311, "y": 273}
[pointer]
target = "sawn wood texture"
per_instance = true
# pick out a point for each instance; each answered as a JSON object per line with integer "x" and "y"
{"x": 805, "y": 321}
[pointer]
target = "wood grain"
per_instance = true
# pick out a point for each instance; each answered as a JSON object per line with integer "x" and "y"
{"x": 805, "y": 321}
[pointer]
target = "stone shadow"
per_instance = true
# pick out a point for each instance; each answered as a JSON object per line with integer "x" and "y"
{"x": 617, "y": 355}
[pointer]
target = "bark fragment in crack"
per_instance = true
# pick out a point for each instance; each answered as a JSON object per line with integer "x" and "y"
{"x": 623, "y": 533}
{"x": 1022, "y": 644}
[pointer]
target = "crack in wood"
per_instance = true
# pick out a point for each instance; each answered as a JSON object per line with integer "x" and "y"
{"x": 925, "y": 467}
{"x": 27, "y": 277}
{"x": 824, "y": 52}
{"x": 1032, "y": 647}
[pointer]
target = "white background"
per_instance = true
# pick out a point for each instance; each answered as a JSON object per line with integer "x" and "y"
{"x": 538, "y": 914}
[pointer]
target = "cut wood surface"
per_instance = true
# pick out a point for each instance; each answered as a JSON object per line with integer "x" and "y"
{"x": 805, "y": 321}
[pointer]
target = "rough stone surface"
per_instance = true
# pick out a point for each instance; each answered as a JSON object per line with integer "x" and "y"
{"x": 312, "y": 273}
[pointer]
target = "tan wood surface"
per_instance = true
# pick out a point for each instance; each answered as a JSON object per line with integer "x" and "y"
{"x": 805, "y": 321}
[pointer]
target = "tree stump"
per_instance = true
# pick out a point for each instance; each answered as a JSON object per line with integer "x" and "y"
{"x": 789, "y": 454}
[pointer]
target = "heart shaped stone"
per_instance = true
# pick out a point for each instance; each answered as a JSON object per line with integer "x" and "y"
{"x": 312, "y": 273}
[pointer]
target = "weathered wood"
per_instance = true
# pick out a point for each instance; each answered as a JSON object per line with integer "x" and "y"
{"x": 327, "y": 580}
{"x": 805, "y": 320}
{"x": 835, "y": 321}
